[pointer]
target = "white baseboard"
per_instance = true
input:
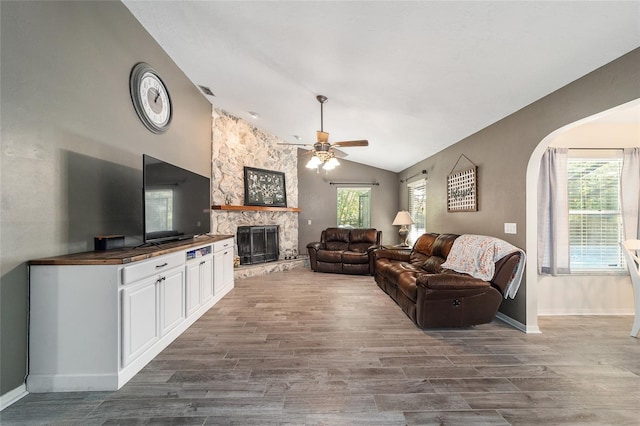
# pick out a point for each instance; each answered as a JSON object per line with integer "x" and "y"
{"x": 517, "y": 324}
{"x": 12, "y": 396}
{"x": 568, "y": 312}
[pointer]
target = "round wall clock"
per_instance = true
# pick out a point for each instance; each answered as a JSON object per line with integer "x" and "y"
{"x": 150, "y": 98}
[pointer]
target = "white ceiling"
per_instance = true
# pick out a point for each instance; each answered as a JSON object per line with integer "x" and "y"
{"x": 411, "y": 77}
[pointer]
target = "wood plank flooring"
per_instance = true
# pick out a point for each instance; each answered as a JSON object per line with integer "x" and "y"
{"x": 304, "y": 348}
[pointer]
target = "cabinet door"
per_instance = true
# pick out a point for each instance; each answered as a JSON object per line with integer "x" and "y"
{"x": 227, "y": 267}
{"x": 139, "y": 318}
{"x": 218, "y": 271}
{"x": 172, "y": 298}
{"x": 206, "y": 279}
{"x": 193, "y": 287}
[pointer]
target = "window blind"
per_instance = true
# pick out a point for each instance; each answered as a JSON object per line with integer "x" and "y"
{"x": 595, "y": 222}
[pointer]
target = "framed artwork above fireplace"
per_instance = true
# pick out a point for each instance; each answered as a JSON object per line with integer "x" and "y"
{"x": 264, "y": 188}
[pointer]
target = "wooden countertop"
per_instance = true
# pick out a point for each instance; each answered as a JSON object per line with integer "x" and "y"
{"x": 232, "y": 208}
{"x": 127, "y": 254}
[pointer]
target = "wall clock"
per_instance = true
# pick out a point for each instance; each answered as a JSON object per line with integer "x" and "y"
{"x": 150, "y": 98}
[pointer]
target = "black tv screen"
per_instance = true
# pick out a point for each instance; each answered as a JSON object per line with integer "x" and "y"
{"x": 176, "y": 202}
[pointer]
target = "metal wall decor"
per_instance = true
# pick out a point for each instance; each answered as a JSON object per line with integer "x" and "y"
{"x": 264, "y": 188}
{"x": 462, "y": 188}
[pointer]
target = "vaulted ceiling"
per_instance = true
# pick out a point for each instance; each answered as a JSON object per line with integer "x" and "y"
{"x": 411, "y": 77}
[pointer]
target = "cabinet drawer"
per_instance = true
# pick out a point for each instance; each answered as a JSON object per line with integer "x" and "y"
{"x": 153, "y": 266}
{"x": 223, "y": 245}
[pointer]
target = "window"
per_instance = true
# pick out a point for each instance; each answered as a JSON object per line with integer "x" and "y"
{"x": 417, "y": 207}
{"x": 595, "y": 221}
{"x": 354, "y": 207}
{"x": 159, "y": 213}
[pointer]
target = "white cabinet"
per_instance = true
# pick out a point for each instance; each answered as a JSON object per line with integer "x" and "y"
{"x": 199, "y": 278}
{"x": 193, "y": 287}
{"x": 172, "y": 300}
{"x": 139, "y": 318}
{"x": 206, "y": 279}
{"x": 223, "y": 266}
{"x": 96, "y": 321}
{"x": 153, "y": 304}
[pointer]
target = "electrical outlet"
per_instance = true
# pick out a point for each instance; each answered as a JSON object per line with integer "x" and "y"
{"x": 510, "y": 228}
{"x": 309, "y": 222}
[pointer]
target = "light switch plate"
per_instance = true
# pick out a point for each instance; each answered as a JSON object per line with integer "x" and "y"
{"x": 510, "y": 228}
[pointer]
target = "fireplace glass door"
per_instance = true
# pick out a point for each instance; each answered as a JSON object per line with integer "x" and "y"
{"x": 258, "y": 244}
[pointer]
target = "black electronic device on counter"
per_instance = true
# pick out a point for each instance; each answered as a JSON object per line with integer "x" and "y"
{"x": 108, "y": 242}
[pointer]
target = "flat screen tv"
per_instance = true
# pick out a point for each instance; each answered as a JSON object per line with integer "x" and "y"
{"x": 176, "y": 202}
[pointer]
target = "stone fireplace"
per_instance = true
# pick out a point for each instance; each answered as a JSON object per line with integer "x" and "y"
{"x": 257, "y": 244}
{"x": 235, "y": 144}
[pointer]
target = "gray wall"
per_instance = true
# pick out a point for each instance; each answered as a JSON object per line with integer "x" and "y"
{"x": 502, "y": 152}
{"x": 317, "y": 198}
{"x": 72, "y": 144}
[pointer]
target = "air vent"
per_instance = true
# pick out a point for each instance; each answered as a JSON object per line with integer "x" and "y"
{"x": 206, "y": 90}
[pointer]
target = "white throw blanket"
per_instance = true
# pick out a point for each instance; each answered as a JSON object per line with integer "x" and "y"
{"x": 477, "y": 255}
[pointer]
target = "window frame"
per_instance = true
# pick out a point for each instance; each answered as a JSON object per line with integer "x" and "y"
{"x": 419, "y": 226}
{"x": 361, "y": 223}
{"x": 594, "y": 155}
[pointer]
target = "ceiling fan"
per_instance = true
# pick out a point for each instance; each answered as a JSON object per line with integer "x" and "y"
{"x": 324, "y": 153}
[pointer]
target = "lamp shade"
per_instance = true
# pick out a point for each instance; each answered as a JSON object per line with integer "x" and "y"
{"x": 403, "y": 218}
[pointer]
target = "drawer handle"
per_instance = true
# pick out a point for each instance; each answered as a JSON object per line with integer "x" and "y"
{"x": 162, "y": 266}
{"x": 203, "y": 262}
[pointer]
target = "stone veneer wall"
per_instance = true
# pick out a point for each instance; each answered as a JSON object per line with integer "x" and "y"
{"x": 236, "y": 143}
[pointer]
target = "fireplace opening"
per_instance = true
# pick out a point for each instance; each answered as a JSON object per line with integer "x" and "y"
{"x": 258, "y": 244}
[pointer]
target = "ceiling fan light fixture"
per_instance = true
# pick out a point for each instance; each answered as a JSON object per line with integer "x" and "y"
{"x": 323, "y": 137}
{"x": 313, "y": 162}
{"x": 331, "y": 164}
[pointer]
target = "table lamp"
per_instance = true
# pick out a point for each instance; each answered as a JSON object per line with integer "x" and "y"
{"x": 403, "y": 219}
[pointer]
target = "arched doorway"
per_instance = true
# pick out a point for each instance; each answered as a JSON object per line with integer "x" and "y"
{"x": 533, "y": 170}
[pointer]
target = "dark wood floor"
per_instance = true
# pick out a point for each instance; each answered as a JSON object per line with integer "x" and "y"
{"x": 299, "y": 347}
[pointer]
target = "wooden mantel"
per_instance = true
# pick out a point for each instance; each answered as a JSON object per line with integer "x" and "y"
{"x": 255, "y": 208}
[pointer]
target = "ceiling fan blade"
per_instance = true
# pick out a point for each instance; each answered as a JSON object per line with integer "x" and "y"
{"x": 362, "y": 142}
{"x": 338, "y": 153}
{"x": 294, "y": 144}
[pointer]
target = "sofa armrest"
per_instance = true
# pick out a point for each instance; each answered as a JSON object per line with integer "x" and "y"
{"x": 312, "y": 249}
{"x": 449, "y": 282}
{"x": 315, "y": 246}
{"x": 373, "y": 247}
{"x": 399, "y": 255}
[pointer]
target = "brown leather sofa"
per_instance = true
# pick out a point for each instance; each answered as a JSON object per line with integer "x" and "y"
{"x": 435, "y": 297}
{"x": 345, "y": 251}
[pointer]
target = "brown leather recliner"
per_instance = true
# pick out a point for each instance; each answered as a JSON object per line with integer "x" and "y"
{"x": 345, "y": 251}
{"x": 435, "y": 297}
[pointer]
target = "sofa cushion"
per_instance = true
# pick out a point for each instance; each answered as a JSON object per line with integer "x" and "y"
{"x": 392, "y": 270}
{"x": 407, "y": 285}
{"x": 362, "y": 239}
{"x": 431, "y": 250}
{"x": 336, "y": 239}
{"x": 354, "y": 257}
{"x": 330, "y": 256}
{"x": 450, "y": 281}
{"x": 442, "y": 245}
{"x": 433, "y": 265}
